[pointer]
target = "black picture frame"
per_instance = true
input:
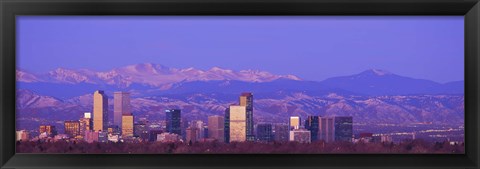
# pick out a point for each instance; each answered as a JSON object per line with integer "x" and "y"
{"x": 9, "y": 9}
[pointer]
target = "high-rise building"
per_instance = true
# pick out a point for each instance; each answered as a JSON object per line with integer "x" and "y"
{"x": 300, "y": 135}
{"x": 343, "y": 128}
{"x": 100, "y": 111}
{"x": 22, "y": 135}
{"x": 295, "y": 122}
{"x": 173, "y": 117}
{"x": 86, "y": 123}
{"x": 312, "y": 124}
{"x": 281, "y": 132}
{"x": 200, "y": 126}
{"x": 226, "y": 128}
{"x": 326, "y": 129}
{"x": 264, "y": 132}
{"x": 238, "y": 124}
{"x": 246, "y": 99}
{"x": 216, "y": 126}
{"x": 192, "y": 135}
{"x": 72, "y": 128}
{"x": 48, "y": 129}
{"x": 121, "y": 106}
{"x": 127, "y": 125}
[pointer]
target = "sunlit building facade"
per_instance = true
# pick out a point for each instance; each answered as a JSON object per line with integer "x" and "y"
{"x": 100, "y": 111}
{"x": 72, "y": 128}
{"x": 50, "y": 130}
{"x": 238, "y": 124}
{"x": 295, "y": 122}
{"x": 22, "y": 135}
{"x": 86, "y": 123}
{"x": 127, "y": 125}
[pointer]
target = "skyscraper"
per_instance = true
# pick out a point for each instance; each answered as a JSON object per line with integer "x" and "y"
{"x": 215, "y": 127}
{"x": 121, "y": 106}
{"x": 295, "y": 122}
{"x": 85, "y": 123}
{"x": 127, "y": 125}
{"x": 173, "y": 117}
{"x": 326, "y": 129}
{"x": 281, "y": 132}
{"x": 72, "y": 128}
{"x": 343, "y": 128}
{"x": 311, "y": 124}
{"x": 246, "y": 99}
{"x": 238, "y": 123}
{"x": 227, "y": 126}
{"x": 264, "y": 132}
{"x": 200, "y": 127}
{"x": 100, "y": 111}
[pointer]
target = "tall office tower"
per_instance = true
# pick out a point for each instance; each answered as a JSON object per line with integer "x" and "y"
{"x": 264, "y": 132}
{"x": 100, "y": 111}
{"x": 343, "y": 128}
{"x": 226, "y": 128}
{"x": 72, "y": 128}
{"x": 246, "y": 99}
{"x": 121, "y": 106}
{"x": 238, "y": 123}
{"x": 216, "y": 125}
{"x": 295, "y": 122}
{"x": 22, "y": 135}
{"x": 199, "y": 125}
{"x": 311, "y": 124}
{"x": 127, "y": 125}
{"x": 192, "y": 134}
{"x": 49, "y": 129}
{"x": 326, "y": 129}
{"x": 281, "y": 132}
{"x": 300, "y": 135}
{"x": 173, "y": 117}
{"x": 85, "y": 123}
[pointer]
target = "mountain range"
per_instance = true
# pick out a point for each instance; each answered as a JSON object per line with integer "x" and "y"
{"x": 371, "y": 96}
{"x": 152, "y": 79}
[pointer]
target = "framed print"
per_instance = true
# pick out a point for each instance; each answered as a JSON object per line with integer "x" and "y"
{"x": 251, "y": 84}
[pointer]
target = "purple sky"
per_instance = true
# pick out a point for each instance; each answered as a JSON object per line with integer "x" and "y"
{"x": 313, "y": 48}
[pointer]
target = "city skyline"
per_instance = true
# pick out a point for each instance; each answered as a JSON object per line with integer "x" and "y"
{"x": 225, "y": 84}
